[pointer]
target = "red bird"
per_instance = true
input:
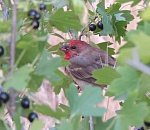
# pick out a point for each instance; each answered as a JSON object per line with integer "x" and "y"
{"x": 84, "y": 60}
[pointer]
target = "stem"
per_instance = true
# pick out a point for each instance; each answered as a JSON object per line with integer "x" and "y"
{"x": 13, "y": 36}
{"x": 91, "y": 123}
{"x": 6, "y": 126}
{"x": 82, "y": 30}
{"x": 111, "y": 124}
{"x": 35, "y": 60}
{"x": 20, "y": 57}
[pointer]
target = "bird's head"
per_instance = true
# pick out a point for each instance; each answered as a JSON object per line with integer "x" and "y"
{"x": 73, "y": 48}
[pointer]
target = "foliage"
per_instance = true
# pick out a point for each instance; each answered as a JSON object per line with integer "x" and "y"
{"x": 36, "y": 60}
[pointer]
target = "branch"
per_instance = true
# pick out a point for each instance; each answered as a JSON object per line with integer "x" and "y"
{"x": 72, "y": 34}
{"x": 82, "y": 30}
{"x": 136, "y": 63}
{"x": 13, "y": 36}
{"x": 11, "y": 106}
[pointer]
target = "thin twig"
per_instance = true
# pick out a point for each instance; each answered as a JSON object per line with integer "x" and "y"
{"x": 12, "y": 103}
{"x": 13, "y": 37}
{"x": 72, "y": 34}
{"x": 136, "y": 63}
{"x": 82, "y": 30}
{"x": 91, "y": 123}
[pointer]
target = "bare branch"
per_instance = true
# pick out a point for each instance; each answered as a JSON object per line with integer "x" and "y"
{"x": 13, "y": 37}
{"x": 82, "y": 30}
{"x": 136, "y": 63}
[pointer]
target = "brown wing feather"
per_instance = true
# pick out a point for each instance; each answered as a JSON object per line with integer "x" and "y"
{"x": 81, "y": 67}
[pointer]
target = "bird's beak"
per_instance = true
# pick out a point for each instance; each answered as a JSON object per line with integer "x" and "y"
{"x": 65, "y": 47}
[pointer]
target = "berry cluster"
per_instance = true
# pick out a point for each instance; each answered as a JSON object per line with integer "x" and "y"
{"x": 92, "y": 27}
{"x": 25, "y": 103}
{"x": 35, "y": 16}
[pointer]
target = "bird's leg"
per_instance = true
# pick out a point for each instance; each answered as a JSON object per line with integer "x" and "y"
{"x": 91, "y": 123}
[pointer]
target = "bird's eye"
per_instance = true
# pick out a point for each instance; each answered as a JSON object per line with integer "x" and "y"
{"x": 73, "y": 48}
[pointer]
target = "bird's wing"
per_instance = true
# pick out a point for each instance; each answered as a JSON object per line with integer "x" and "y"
{"x": 82, "y": 66}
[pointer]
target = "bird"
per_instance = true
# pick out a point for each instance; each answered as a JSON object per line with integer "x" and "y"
{"x": 84, "y": 59}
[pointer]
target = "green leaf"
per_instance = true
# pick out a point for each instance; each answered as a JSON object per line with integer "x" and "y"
{"x": 138, "y": 39}
{"x": 105, "y": 46}
{"x": 16, "y": 118}
{"x": 136, "y": 111}
{"x": 105, "y": 75}
{"x": 5, "y": 26}
{"x": 145, "y": 27}
{"x": 2, "y": 126}
{"x": 20, "y": 78}
{"x": 128, "y": 81}
{"x": 47, "y": 67}
{"x": 45, "y": 110}
{"x": 28, "y": 55}
{"x": 85, "y": 124}
{"x": 80, "y": 9}
{"x": 125, "y": 54}
{"x": 135, "y": 2}
{"x": 69, "y": 124}
{"x": 65, "y": 84}
{"x": 23, "y": 5}
{"x": 64, "y": 20}
{"x": 27, "y": 41}
{"x": 86, "y": 103}
{"x": 37, "y": 125}
{"x": 120, "y": 30}
{"x": 144, "y": 88}
{"x": 35, "y": 83}
{"x": 127, "y": 15}
{"x": 64, "y": 107}
{"x": 103, "y": 125}
{"x": 106, "y": 19}
{"x": 59, "y": 4}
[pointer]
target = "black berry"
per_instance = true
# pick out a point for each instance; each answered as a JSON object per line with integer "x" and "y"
{"x": 37, "y": 16}
{"x": 100, "y": 25}
{"x": 142, "y": 128}
{"x": 1, "y": 50}
{"x": 42, "y": 6}
{"x": 35, "y": 24}
{"x": 25, "y": 103}
{"x": 4, "y": 97}
{"x": 92, "y": 27}
{"x": 32, "y": 13}
{"x": 147, "y": 123}
{"x": 32, "y": 116}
